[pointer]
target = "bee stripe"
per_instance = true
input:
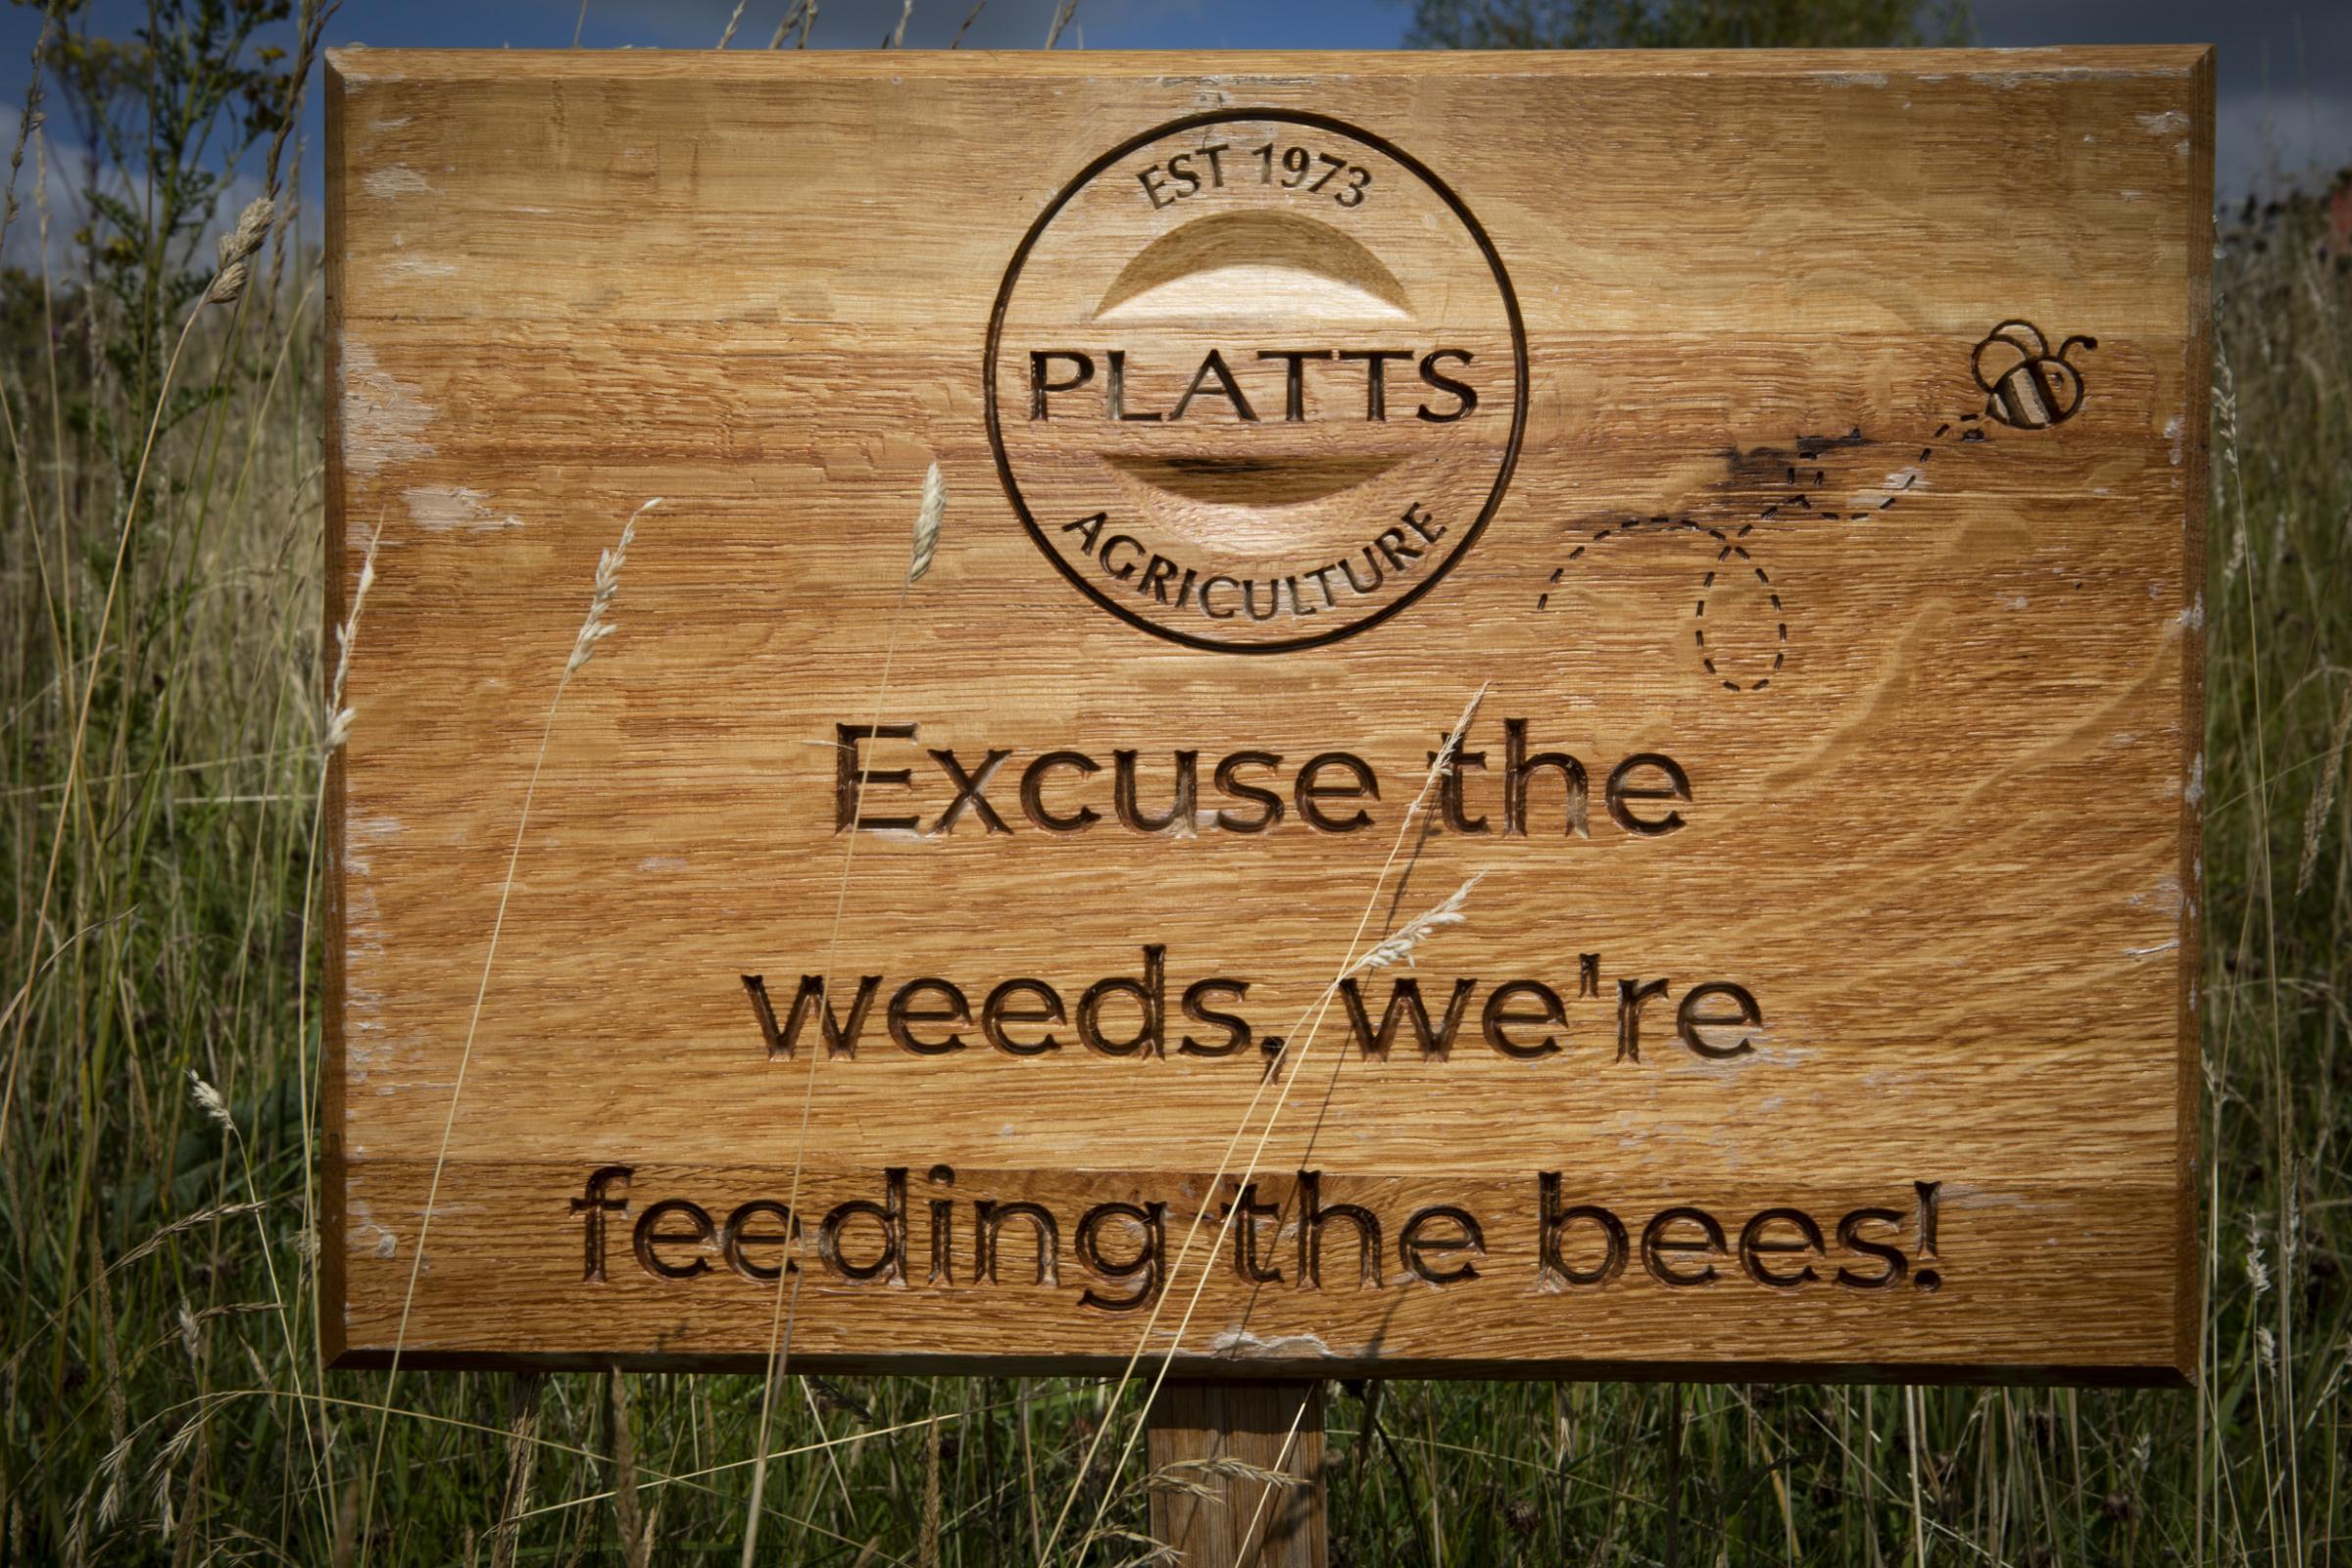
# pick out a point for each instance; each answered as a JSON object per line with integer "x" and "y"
{"x": 2022, "y": 401}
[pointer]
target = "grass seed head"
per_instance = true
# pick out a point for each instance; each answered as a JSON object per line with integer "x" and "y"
{"x": 596, "y": 628}
{"x": 2323, "y": 799}
{"x": 338, "y": 717}
{"x": 110, "y": 1502}
{"x": 236, "y": 251}
{"x": 1442, "y": 763}
{"x": 927, "y": 519}
{"x": 209, "y": 1101}
{"x": 229, "y": 283}
{"x": 253, "y": 224}
{"x": 1398, "y": 947}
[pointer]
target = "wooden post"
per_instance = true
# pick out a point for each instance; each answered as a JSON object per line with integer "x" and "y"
{"x": 1206, "y": 1436}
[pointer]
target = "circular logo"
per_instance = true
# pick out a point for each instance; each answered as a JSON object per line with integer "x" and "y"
{"x": 1256, "y": 380}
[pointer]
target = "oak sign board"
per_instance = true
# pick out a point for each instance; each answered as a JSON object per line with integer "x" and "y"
{"x": 1804, "y": 455}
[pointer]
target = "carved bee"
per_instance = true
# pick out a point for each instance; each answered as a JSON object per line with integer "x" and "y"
{"x": 2026, "y": 385}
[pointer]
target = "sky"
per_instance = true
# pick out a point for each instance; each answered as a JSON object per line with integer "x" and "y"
{"x": 2284, "y": 84}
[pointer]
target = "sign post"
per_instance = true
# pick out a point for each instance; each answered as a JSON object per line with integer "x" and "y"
{"x": 1553, "y": 727}
{"x": 1236, "y": 1471}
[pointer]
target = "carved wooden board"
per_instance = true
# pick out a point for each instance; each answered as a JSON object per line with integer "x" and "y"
{"x": 1804, "y": 454}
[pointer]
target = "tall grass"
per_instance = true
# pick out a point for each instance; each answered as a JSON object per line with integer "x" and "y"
{"x": 161, "y": 1394}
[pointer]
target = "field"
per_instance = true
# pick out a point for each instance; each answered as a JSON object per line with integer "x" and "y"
{"x": 168, "y": 705}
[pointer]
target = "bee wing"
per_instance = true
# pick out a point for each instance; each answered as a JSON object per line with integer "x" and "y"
{"x": 2005, "y": 348}
{"x": 2025, "y": 335}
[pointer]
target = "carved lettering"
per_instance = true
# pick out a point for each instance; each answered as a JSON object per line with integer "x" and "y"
{"x": 1502, "y": 1017}
{"x": 904, "y": 1014}
{"x": 1626, "y": 786}
{"x": 890, "y": 1264}
{"x": 1313, "y": 1216}
{"x": 852, "y": 777}
{"x": 1415, "y": 1245}
{"x": 1120, "y": 1243}
{"x": 1660, "y": 1245}
{"x": 737, "y": 1235}
{"x": 1551, "y": 1237}
{"x": 1312, "y": 792}
{"x": 1695, "y": 1026}
{"x": 1405, "y": 1008}
{"x": 1150, "y": 994}
{"x": 1145, "y": 1267}
{"x": 1248, "y": 1213}
{"x": 607, "y": 1193}
{"x": 998, "y": 1012}
{"x": 1757, "y": 1244}
{"x": 1056, "y": 795}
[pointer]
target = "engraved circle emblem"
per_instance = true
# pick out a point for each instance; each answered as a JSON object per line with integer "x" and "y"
{"x": 1256, "y": 380}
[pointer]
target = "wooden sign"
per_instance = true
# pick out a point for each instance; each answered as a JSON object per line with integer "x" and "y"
{"x": 1792, "y": 463}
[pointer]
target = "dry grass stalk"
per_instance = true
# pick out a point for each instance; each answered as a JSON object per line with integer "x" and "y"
{"x": 594, "y": 629}
{"x": 186, "y": 1222}
{"x": 1223, "y": 1466}
{"x": 210, "y": 1100}
{"x": 522, "y": 1459}
{"x": 109, "y": 1470}
{"x": 2224, "y": 444}
{"x": 1310, "y": 1021}
{"x": 927, "y": 1552}
{"x": 2322, "y": 800}
{"x": 345, "y": 1538}
{"x": 233, "y": 1309}
{"x": 636, "y": 1540}
{"x": 117, "y": 1405}
{"x": 136, "y": 495}
{"x": 1153, "y": 1554}
{"x": 28, "y": 125}
{"x": 176, "y": 1446}
{"x": 77, "y": 1527}
{"x": 801, "y": 13}
{"x": 1190, "y": 1477}
{"x": 1442, "y": 763}
{"x": 337, "y": 732}
{"x": 784, "y": 1306}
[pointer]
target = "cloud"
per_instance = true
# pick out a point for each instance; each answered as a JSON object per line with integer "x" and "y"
{"x": 65, "y": 169}
{"x": 2261, "y": 140}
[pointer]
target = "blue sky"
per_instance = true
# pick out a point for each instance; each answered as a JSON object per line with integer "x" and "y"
{"x": 2286, "y": 78}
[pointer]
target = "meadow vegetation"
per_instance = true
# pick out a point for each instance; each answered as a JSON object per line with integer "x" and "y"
{"x": 167, "y": 710}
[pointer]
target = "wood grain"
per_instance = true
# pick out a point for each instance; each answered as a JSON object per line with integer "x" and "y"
{"x": 1921, "y": 628}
